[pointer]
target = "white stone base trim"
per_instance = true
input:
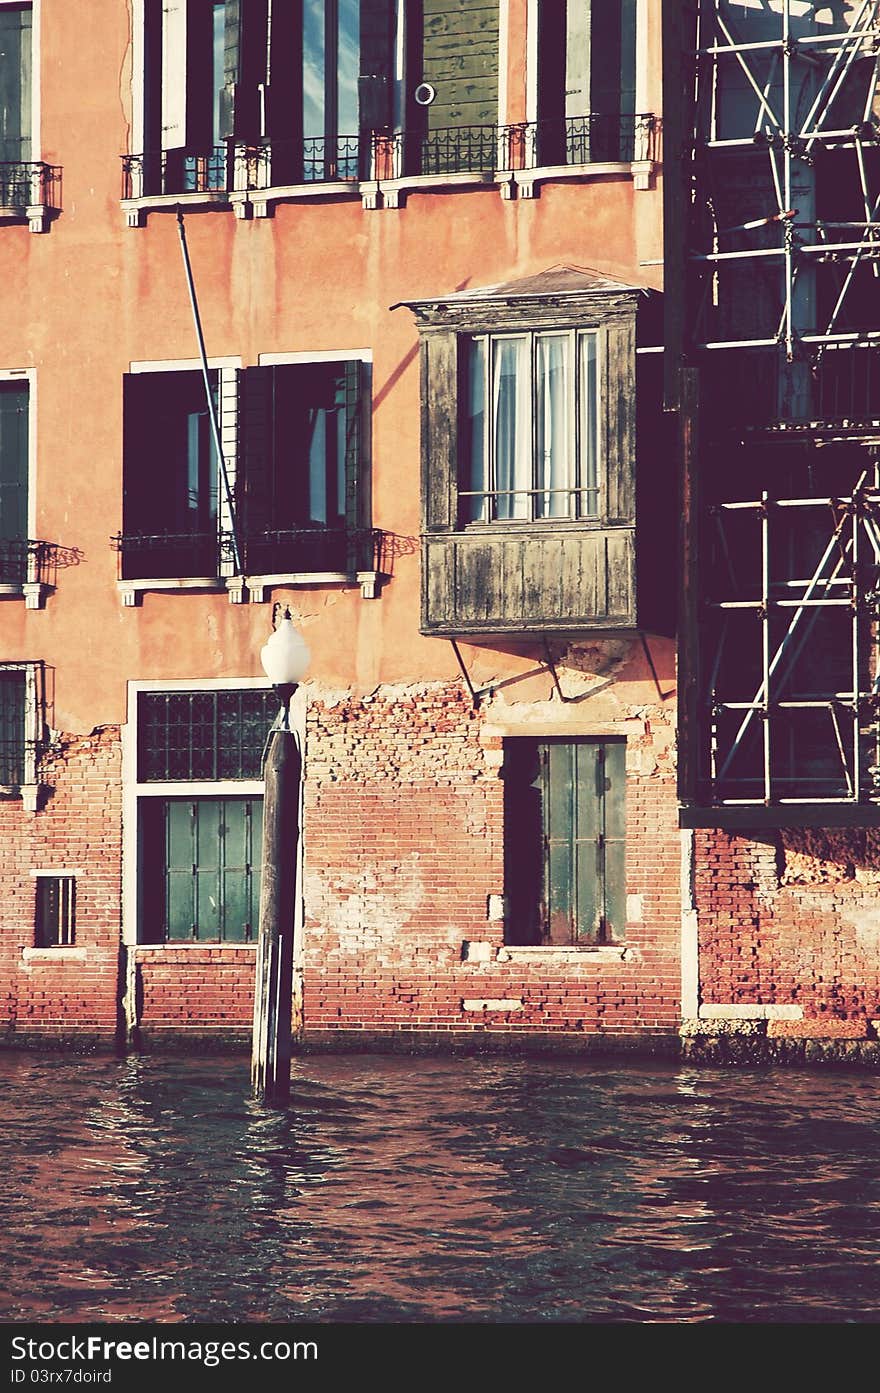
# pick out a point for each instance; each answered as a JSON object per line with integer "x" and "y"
{"x": 500, "y": 1003}
{"x": 735, "y": 1011}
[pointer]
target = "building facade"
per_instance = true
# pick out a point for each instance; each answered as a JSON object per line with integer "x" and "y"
{"x": 425, "y": 242}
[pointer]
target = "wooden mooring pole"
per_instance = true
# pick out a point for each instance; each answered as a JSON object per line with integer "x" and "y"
{"x": 270, "y": 1059}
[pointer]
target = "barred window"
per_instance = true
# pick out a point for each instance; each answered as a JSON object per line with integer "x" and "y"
{"x": 185, "y": 736}
{"x": 56, "y": 911}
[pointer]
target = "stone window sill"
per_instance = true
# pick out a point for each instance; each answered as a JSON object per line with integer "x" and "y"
{"x": 38, "y": 216}
{"x": 33, "y": 592}
{"x": 251, "y": 589}
{"x": 48, "y": 955}
{"x": 193, "y": 943}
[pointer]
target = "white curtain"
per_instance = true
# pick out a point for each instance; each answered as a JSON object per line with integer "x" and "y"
{"x": 589, "y": 480}
{"x": 473, "y": 476}
{"x": 554, "y": 471}
{"x": 511, "y": 419}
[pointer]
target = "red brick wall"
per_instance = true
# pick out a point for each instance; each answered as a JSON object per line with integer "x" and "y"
{"x": 195, "y": 988}
{"x": 403, "y": 848}
{"x": 403, "y": 879}
{"x": 77, "y": 827}
{"x": 792, "y": 917}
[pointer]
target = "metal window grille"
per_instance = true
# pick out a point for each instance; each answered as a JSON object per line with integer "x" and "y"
{"x": 202, "y": 735}
{"x": 56, "y": 911}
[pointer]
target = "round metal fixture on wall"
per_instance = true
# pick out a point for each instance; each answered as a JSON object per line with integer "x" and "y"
{"x": 424, "y": 94}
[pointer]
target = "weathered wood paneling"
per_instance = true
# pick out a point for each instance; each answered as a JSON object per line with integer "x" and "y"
{"x": 460, "y": 60}
{"x": 541, "y": 580}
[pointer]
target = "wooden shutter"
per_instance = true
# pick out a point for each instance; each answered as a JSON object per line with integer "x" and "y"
{"x": 14, "y": 398}
{"x": 15, "y": 84}
{"x": 460, "y": 60}
{"x": 377, "y": 64}
{"x": 255, "y": 483}
{"x": 357, "y": 437}
{"x": 230, "y": 105}
{"x": 283, "y": 93}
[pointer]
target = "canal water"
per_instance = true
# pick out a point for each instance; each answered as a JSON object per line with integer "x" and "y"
{"x": 437, "y": 1190}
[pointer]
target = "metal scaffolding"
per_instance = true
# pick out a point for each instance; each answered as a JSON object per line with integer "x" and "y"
{"x": 782, "y": 281}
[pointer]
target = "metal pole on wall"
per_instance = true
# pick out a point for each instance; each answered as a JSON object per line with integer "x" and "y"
{"x": 284, "y": 659}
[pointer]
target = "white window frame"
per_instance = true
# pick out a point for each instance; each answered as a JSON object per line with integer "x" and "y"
{"x": 574, "y": 512}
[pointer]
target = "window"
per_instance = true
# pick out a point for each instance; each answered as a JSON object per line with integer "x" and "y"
{"x": 199, "y": 847}
{"x": 15, "y": 98}
{"x": 295, "y": 440}
{"x": 56, "y": 911}
{"x": 531, "y": 440}
{"x": 529, "y": 437}
{"x": 14, "y": 406}
{"x": 170, "y": 490}
{"x": 564, "y": 820}
{"x": 586, "y": 81}
{"x": 304, "y": 483}
{"x": 22, "y": 719}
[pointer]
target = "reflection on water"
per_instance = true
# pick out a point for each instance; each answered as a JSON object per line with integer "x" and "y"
{"x": 425, "y": 1189}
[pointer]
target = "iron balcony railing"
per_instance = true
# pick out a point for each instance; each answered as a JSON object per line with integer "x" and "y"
{"x": 217, "y": 169}
{"x": 311, "y": 550}
{"x": 306, "y": 550}
{"x": 383, "y": 155}
{"x": 28, "y": 184}
{"x": 22, "y": 559}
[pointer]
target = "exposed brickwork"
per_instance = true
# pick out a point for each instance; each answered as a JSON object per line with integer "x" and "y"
{"x": 184, "y": 989}
{"x": 403, "y": 844}
{"x": 77, "y": 827}
{"x": 403, "y": 848}
{"x": 791, "y": 917}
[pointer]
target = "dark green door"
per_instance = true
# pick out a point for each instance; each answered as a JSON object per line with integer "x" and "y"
{"x": 212, "y": 869}
{"x": 565, "y": 841}
{"x": 15, "y": 83}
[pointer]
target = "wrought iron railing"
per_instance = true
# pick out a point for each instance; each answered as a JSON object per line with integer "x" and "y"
{"x": 29, "y": 183}
{"x": 167, "y": 555}
{"x": 576, "y": 140}
{"x": 384, "y": 155}
{"x": 162, "y": 556}
{"x": 23, "y": 559}
{"x": 313, "y": 549}
{"x": 216, "y": 169}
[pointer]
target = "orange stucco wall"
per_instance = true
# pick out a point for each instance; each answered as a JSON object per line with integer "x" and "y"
{"x": 92, "y": 295}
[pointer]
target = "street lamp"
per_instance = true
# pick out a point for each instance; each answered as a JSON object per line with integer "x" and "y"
{"x": 285, "y": 658}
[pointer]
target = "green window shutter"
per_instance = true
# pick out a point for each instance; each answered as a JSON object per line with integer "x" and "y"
{"x": 213, "y": 854}
{"x": 12, "y": 727}
{"x": 15, "y": 83}
{"x": 460, "y": 61}
{"x": 14, "y": 398}
{"x": 565, "y": 814}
